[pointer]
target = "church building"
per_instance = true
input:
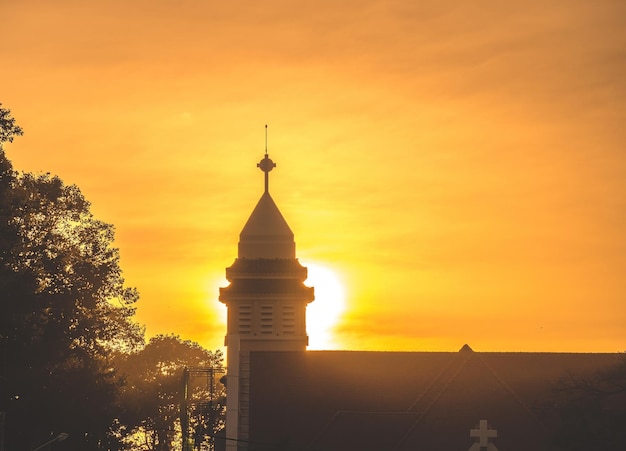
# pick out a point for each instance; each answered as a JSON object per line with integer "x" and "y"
{"x": 266, "y": 302}
{"x": 282, "y": 397}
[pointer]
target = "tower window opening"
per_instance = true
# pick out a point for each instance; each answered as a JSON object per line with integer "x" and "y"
{"x": 267, "y": 319}
{"x": 245, "y": 319}
{"x": 289, "y": 320}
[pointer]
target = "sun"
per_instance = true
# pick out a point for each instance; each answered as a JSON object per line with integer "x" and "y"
{"x": 323, "y": 314}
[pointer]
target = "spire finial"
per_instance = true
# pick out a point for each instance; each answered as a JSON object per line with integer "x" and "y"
{"x": 266, "y": 165}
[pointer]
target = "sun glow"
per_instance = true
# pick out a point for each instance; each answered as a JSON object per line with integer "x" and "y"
{"x": 324, "y": 313}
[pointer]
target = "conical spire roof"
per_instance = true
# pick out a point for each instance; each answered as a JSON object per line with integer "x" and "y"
{"x": 266, "y": 233}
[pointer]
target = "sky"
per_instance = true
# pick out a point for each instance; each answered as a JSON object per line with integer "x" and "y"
{"x": 459, "y": 167}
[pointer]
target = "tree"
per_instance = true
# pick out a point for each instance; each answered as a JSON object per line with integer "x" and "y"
{"x": 593, "y": 411}
{"x": 8, "y": 128}
{"x": 72, "y": 360}
{"x": 64, "y": 309}
{"x": 153, "y": 392}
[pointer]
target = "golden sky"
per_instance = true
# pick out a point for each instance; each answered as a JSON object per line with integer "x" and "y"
{"x": 459, "y": 165}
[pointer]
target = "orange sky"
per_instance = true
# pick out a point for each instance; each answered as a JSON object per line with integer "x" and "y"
{"x": 461, "y": 166}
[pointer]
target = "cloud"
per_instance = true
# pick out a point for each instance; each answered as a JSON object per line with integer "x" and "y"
{"x": 451, "y": 155}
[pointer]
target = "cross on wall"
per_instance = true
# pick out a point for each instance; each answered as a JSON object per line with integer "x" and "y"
{"x": 483, "y": 434}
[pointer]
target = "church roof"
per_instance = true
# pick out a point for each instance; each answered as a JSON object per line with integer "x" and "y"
{"x": 266, "y": 234}
{"x": 337, "y": 400}
{"x": 266, "y": 220}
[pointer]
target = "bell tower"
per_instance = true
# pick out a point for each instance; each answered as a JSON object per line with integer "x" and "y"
{"x": 266, "y": 302}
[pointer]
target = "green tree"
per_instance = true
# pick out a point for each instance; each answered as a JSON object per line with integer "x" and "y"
{"x": 153, "y": 393}
{"x": 64, "y": 309}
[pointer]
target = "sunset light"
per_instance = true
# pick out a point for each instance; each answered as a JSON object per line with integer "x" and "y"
{"x": 323, "y": 314}
{"x": 462, "y": 163}
{"x": 372, "y": 224}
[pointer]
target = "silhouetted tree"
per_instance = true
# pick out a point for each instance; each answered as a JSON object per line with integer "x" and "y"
{"x": 593, "y": 411}
{"x": 153, "y": 392}
{"x": 71, "y": 357}
{"x": 8, "y": 128}
{"x": 64, "y": 308}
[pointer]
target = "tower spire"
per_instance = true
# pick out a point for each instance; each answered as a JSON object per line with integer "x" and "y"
{"x": 266, "y": 302}
{"x": 266, "y": 165}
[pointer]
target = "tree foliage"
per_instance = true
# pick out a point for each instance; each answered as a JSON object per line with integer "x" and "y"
{"x": 593, "y": 411}
{"x": 8, "y": 128}
{"x": 64, "y": 308}
{"x": 153, "y": 392}
{"x": 72, "y": 358}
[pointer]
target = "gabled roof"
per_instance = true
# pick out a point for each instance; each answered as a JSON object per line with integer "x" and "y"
{"x": 338, "y": 400}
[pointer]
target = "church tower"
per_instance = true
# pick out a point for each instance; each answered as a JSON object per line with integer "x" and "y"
{"x": 266, "y": 302}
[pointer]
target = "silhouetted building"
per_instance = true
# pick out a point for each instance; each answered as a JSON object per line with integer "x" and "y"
{"x": 266, "y": 302}
{"x": 282, "y": 397}
{"x": 408, "y": 401}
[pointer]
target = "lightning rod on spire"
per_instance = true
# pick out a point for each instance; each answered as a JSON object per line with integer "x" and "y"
{"x": 266, "y": 165}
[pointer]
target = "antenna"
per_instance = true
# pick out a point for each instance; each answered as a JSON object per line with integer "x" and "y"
{"x": 265, "y": 139}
